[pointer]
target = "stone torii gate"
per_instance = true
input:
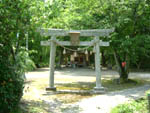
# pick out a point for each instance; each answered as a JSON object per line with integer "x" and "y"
{"x": 96, "y": 42}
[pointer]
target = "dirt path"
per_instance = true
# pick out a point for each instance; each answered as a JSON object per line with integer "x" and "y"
{"x": 104, "y": 103}
{"x": 98, "y": 104}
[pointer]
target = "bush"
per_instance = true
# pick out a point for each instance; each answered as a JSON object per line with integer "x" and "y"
{"x": 12, "y": 79}
{"x": 11, "y": 87}
{"x": 14, "y": 24}
{"x": 137, "y": 106}
{"x": 24, "y": 61}
{"x": 11, "y": 82}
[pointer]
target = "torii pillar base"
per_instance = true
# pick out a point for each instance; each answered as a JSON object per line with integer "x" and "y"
{"x": 51, "y": 89}
{"x": 99, "y": 90}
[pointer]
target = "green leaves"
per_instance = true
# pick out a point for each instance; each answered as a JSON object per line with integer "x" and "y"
{"x": 14, "y": 19}
{"x": 130, "y": 18}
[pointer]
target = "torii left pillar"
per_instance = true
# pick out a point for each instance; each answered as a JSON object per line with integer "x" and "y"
{"x": 52, "y": 64}
{"x": 98, "y": 87}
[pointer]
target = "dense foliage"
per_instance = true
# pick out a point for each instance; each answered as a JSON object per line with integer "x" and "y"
{"x": 130, "y": 18}
{"x": 11, "y": 86}
{"x": 14, "y": 21}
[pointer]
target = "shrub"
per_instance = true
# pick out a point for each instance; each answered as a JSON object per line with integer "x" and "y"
{"x": 136, "y": 106}
{"x": 24, "y": 61}
{"x": 11, "y": 87}
{"x": 14, "y": 23}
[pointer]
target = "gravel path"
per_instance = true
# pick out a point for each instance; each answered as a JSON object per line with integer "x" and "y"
{"x": 98, "y": 104}
{"x": 104, "y": 103}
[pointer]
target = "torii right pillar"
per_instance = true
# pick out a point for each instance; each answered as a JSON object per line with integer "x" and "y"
{"x": 98, "y": 87}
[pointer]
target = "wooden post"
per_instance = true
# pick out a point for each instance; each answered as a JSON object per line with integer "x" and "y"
{"x": 52, "y": 64}
{"x": 97, "y": 66}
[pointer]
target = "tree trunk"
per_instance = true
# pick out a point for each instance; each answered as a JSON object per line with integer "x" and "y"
{"x": 123, "y": 71}
{"x": 13, "y": 54}
{"x": 138, "y": 65}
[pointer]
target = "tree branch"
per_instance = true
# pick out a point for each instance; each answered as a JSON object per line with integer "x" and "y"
{"x": 13, "y": 54}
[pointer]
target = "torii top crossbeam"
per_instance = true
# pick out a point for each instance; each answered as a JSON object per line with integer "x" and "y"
{"x": 62, "y": 32}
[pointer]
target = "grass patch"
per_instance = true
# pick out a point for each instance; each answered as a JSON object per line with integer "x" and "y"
{"x": 110, "y": 85}
{"x": 106, "y": 83}
{"x": 76, "y": 86}
{"x": 137, "y": 106}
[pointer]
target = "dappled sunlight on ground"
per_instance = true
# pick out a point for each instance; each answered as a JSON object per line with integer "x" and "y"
{"x": 70, "y": 79}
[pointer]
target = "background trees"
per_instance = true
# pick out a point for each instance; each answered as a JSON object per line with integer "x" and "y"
{"x": 130, "y": 29}
{"x": 130, "y": 18}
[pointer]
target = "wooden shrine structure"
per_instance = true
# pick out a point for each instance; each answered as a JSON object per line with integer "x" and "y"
{"x": 74, "y": 41}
